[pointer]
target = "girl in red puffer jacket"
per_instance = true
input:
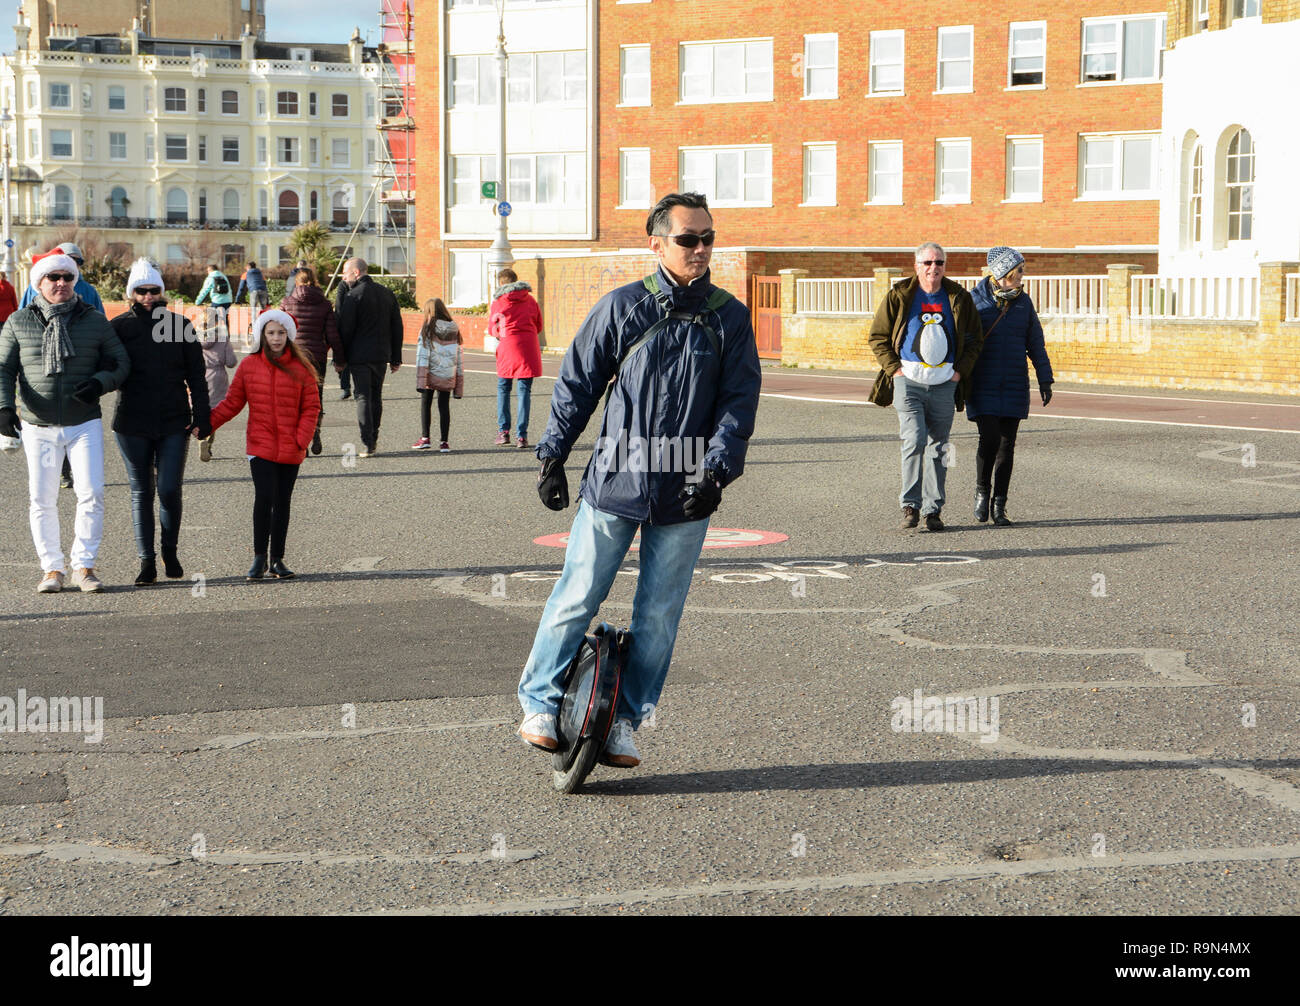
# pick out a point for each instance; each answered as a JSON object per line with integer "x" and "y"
{"x": 278, "y": 381}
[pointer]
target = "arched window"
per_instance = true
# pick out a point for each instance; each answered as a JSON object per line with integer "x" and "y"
{"x": 1241, "y": 186}
{"x": 1195, "y": 194}
{"x": 339, "y": 205}
{"x": 230, "y": 206}
{"x": 288, "y": 204}
{"x": 117, "y": 202}
{"x": 178, "y": 206}
{"x": 62, "y": 202}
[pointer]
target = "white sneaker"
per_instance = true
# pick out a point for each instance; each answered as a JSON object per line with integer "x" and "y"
{"x": 538, "y": 729}
{"x": 619, "y": 751}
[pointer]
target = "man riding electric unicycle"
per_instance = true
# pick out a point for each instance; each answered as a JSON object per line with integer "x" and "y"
{"x": 677, "y": 422}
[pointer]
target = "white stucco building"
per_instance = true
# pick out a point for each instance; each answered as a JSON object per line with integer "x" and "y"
{"x": 193, "y": 151}
{"x": 1230, "y": 143}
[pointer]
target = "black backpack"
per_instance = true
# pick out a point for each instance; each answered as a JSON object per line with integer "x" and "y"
{"x": 221, "y": 285}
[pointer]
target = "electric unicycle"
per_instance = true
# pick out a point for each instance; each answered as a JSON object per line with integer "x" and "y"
{"x": 591, "y": 690}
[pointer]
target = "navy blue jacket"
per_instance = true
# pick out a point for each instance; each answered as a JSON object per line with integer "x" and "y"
{"x": 676, "y": 398}
{"x": 1000, "y": 381}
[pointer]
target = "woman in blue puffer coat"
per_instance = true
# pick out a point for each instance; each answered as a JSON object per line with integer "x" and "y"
{"x": 999, "y": 397}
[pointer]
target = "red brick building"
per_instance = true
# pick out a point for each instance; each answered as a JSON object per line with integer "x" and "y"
{"x": 838, "y": 135}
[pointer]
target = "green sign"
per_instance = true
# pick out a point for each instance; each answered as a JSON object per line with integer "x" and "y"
{"x": 489, "y": 190}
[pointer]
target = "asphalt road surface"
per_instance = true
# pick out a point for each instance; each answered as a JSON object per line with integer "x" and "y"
{"x": 344, "y": 742}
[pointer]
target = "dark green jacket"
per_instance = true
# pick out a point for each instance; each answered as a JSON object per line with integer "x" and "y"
{"x": 47, "y": 400}
{"x": 889, "y": 328}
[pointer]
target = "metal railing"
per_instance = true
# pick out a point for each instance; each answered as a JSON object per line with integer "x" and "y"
{"x": 142, "y": 224}
{"x": 1292, "y": 312}
{"x": 834, "y": 296}
{"x": 1217, "y": 298}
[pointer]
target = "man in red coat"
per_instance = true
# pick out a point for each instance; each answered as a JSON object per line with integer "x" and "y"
{"x": 516, "y": 321}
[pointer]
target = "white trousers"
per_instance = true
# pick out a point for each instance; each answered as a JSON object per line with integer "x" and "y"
{"x": 45, "y": 447}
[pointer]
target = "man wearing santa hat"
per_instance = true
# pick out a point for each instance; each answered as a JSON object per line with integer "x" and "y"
{"x": 57, "y": 357}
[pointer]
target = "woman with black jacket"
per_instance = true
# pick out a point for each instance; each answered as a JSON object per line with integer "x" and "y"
{"x": 999, "y": 397}
{"x": 155, "y": 414}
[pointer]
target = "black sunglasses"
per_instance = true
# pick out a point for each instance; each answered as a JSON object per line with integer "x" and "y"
{"x": 60, "y": 277}
{"x": 933, "y": 261}
{"x": 146, "y": 290}
{"x": 691, "y": 240}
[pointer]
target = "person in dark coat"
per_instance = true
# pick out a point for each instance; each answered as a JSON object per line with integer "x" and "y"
{"x": 162, "y": 400}
{"x": 370, "y": 326}
{"x": 999, "y": 397}
{"x": 318, "y": 332}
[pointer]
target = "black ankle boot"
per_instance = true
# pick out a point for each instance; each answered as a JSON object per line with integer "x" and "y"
{"x": 981, "y": 505}
{"x": 148, "y": 573}
{"x": 258, "y": 569}
{"x": 280, "y": 571}
{"x": 1000, "y": 511}
{"x": 172, "y": 565}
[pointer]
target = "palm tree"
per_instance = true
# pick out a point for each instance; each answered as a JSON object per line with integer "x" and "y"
{"x": 311, "y": 243}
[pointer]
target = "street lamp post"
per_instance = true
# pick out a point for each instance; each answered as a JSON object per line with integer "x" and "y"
{"x": 500, "y": 254}
{"x": 7, "y": 256}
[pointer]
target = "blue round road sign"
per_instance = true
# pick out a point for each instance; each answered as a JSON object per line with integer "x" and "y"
{"x": 503, "y": 209}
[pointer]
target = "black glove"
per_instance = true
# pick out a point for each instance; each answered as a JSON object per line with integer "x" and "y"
{"x": 701, "y": 497}
{"x": 88, "y": 392}
{"x": 203, "y": 429}
{"x": 1045, "y": 389}
{"x": 552, "y": 486}
{"x": 9, "y": 424}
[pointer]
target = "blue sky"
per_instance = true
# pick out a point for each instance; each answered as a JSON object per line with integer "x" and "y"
{"x": 286, "y": 21}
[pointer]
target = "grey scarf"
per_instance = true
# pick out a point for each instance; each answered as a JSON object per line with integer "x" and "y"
{"x": 56, "y": 343}
{"x": 1003, "y": 297}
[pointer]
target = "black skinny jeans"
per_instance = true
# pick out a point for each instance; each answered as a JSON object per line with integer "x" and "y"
{"x": 996, "y": 453}
{"x": 273, "y": 489}
{"x": 155, "y": 465}
{"x": 444, "y": 412}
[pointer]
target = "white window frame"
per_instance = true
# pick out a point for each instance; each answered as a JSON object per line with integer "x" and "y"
{"x": 168, "y": 140}
{"x": 313, "y": 151}
{"x": 472, "y": 181}
{"x": 1244, "y": 188}
{"x": 54, "y": 155}
{"x": 484, "y": 80}
{"x": 114, "y": 146}
{"x": 1118, "y": 49}
{"x": 809, "y": 151}
{"x": 115, "y": 91}
{"x": 1013, "y": 144}
{"x": 624, "y": 76}
{"x": 874, "y": 197}
{"x": 176, "y": 100}
{"x": 347, "y": 153}
{"x": 751, "y": 75}
{"x": 742, "y": 178}
{"x": 294, "y": 99}
{"x": 954, "y": 31}
{"x": 66, "y": 93}
{"x": 290, "y": 144}
{"x": 809, "y": 66}
{"x": 1250, "y": 10}
{"x": 226, "y": 148}
{"x": 1014, "y": 53}
{"x": 224, "y": 92}
{"x": 624, "y": 202}
{"x": 945, "y": 146}
{"x": 1117, "y": 191}
{"x": 872, "y": 63}
{"x": 201, "y": 153}
{"x": 334, "y": 105}
{"x": 261, "y": 151}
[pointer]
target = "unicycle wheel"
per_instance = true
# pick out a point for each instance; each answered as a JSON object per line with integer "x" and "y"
{"x": 584, "y": 760}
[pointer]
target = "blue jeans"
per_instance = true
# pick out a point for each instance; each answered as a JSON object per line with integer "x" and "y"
{"x": 925, "y": 414}
{"x": 597, "y": 544}
{"x": 155, "y": 464}
{"x": 503, "y": 403}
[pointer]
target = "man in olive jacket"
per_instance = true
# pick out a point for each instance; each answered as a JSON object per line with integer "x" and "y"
{"x": 927, "y": 336}
{"x": 58, "y": 356}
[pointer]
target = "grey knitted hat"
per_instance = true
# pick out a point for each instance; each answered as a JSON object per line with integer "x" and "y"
{"x": 1003, "y": 259}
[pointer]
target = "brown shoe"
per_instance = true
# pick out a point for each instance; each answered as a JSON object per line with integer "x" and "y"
{"x": 87, "y": 581}
{"x": 911, "y": 518}
{"x": 933, "y": 523}
{"x": 52, "y": 584}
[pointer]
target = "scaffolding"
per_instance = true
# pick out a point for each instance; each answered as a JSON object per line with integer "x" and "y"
{"x": 394, "y": 187}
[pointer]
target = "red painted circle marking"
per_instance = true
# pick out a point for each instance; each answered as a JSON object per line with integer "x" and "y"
{"x": 715, "y": 537}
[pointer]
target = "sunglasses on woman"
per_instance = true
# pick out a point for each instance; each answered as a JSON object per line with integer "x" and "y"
{"x": 691, "y": 240}
{"x": 60, "y": 277}
{"x": 147, "y": 290}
